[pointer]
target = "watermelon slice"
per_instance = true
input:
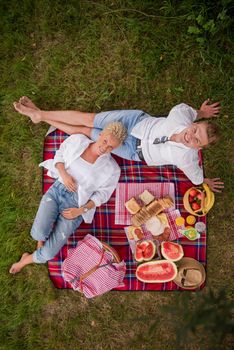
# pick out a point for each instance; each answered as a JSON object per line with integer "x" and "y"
{"x": 145, "y": 250}
{"x": 172, "y": 251}
{"x": 157, "y": 271}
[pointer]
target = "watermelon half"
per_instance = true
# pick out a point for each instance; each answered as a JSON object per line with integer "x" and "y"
{"x": 145, "y": 250}
{"x": 157, "y": 271}
{"x": 172, "y": 251}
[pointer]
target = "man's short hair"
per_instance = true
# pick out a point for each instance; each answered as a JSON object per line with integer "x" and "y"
{"x": 118, "y": 130}
{"x": 212, "y": 133}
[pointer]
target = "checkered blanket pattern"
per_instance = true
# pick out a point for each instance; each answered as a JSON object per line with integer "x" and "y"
{"x": 125, "y": 191}
{"x": 103, "y": 226}
{"x": 87, "y": 255}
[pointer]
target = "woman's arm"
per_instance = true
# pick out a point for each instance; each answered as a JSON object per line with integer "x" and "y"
{"x": 72, "y": 213}
{"x": 68, "y": 180}
{"x": 100, "y": 196}
{"x": 66, "y": 151}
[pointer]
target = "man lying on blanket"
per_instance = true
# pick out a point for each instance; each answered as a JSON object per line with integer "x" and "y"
{"x": 86, "y": 176}
{"x": 158, "y": 141}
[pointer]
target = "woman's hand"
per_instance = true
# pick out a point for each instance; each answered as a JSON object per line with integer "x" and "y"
{"x": 69, "y": 182}
{"x": 215, "y": 184}
{"x": 72, "y": 213}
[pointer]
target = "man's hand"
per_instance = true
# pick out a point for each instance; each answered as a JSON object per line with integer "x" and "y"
{"x": 72, "y": 213}
{"x": 215, "y": 184}
{"x": 208, "y": 110}
{"x": 69, "y": 182}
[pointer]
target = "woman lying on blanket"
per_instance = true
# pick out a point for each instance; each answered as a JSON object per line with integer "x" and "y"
{"x": 86, "y": 176}
{"x": 157, "y": 141}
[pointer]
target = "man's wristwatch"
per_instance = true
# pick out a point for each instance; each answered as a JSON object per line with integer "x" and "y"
{"x": 86, "y": 209}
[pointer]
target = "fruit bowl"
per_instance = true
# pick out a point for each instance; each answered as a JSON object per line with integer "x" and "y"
{"x": 198, "y": 200}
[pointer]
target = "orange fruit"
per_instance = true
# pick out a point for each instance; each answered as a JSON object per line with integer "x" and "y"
{"x": 179, "y": 221}
{"x": 191, "y": 220}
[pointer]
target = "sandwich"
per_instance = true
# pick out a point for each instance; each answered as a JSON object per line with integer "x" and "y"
{"x": 146, "y": 197}
{"x": 132, "y": 206}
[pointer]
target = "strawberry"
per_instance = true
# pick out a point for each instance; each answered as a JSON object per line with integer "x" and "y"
{"x": 193, "y": 193}
{"x": 199, "y": 196}
{"x": 195, "y": 206}
{"x": 190, "y": 199}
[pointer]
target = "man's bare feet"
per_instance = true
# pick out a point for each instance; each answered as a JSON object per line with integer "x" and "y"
{"x": 29, "y": 112}
{"x": 17, "y": 267}
{"x": 24, "y": 100}
{"x": 40, "y": 244}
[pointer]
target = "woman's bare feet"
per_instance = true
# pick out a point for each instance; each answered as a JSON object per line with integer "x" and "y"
{"x": 24, "y": 100}
{"x": 33, "y": 114}
{"x": 26, "y": 259}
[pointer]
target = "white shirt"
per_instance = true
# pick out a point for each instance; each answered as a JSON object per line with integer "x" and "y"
{"x": 95, "y": 181}
{"x": 185, "y": 158}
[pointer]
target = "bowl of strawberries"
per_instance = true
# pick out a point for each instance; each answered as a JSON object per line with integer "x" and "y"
{"x": 198, "y": 200}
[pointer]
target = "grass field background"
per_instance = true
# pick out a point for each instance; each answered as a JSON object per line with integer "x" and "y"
{"x": 93, "y": 56}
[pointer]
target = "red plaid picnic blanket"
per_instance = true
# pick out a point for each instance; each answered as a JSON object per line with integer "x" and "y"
{"x": 103, "y": 226}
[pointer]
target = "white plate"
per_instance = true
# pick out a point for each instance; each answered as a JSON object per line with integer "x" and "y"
{"x": 155, "y": 226}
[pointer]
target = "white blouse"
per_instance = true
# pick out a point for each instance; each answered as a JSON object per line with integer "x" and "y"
{"x": 95, "y": 181}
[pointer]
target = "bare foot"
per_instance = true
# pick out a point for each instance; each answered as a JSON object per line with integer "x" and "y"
{"x": 40, "y": 244}
{"x": 24, "y": 100}
{"x": 29, "y": 112}
{"x": 16, "y": 267}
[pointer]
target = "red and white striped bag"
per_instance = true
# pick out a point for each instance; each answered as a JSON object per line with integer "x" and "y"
{"x": 93, "y": 267}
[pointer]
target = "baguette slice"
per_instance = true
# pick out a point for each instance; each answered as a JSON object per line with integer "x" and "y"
{"x": 166, "y": 202}
{"x": 132, "y": 206}
{"x": 140, "y": 217}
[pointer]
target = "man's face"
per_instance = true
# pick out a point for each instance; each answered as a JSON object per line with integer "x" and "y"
{"x": 106, "y": 142}
{"x": 195, "y": 136}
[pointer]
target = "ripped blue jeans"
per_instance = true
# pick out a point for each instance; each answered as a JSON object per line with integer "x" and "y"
{"x": 49, "y": 224}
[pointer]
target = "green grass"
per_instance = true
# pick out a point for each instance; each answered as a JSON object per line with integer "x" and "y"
{"x": 92, "y": 56}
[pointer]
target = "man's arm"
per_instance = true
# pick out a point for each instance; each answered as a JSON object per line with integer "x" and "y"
{"x": 195, "y": 174}
{"x": 208, "y": 110}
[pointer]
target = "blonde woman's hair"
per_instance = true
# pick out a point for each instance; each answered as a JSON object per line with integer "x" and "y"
{"x": 118, "y": 130}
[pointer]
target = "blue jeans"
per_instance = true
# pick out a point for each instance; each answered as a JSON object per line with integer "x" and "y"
{"x": 129, "y": 118}
{"x": 49, "y": 224}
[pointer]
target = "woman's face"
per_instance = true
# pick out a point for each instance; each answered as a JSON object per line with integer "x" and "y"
{"x": 106, "y": 142}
